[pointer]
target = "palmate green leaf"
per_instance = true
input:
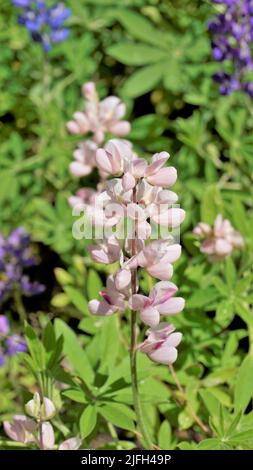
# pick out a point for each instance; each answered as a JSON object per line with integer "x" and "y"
{"x": 141, "y": 28}
{"x": 143, "y": 80}
{"x": 244, "y": 384}
{"x": 88, "y": 420}
{"x": 77, "y": 298}
{"x": 241, "y": 437}
{"x": 210, "y": 444}
{"x": 118, "y": 414}
{"x": 74, "y": 352}
{"x": 148, "y": 127}
{"x": 136, "y": 53}
{"x": 202, "y": 298}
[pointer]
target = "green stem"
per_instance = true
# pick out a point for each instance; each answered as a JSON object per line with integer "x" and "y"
{"x": 133, "y": 350}
{"x": 135, "y": 388}
{"x": 19, "y": 305}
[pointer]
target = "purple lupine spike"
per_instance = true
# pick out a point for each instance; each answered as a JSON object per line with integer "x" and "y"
{"x": 232, "y": 38}
{"x": 15, "y": 257}
{"x": 45, "y": 24}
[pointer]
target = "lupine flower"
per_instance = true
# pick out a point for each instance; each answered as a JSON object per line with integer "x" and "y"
{"x": 83, "y": 197}
{"x": 161, "y": 344}
{"x": 232, "y": 38}
{"x": 137, "y": 193}
{"x": 84, "y": 159}
{"x": 45, "y": 24}
{"x": 157, "y": 258}
{"x": 99, "y": 117}
{"x": 21, "y": 429}
{"x": 38, "y": 431}
{"x": 220, "y": 240}
{"x": 10, "y": 344}
{"x": 161, "y": 300}
{"x": 15, "y": 257}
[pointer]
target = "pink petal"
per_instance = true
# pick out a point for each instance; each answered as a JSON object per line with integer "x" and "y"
{"x": 162, "y": 271}
{"x": 47, "y": 435}
{"x": 171, "y": 218}
{"x": 139, "y": 167}
{"x": 89, "y": 90}
{"x": 71, "y": 444}
{"x": 128, "y": 181}
{"x": 165, "y": 177}
{"x": 171, "y": 306}
{"x": 82, "y": 122}
{"x": 120, "y": 128}
{"x": 158, "y": 160}
{"x": 101, "y": 308}
{"x": 137, "y": 301}
{"x": 73, "y": 127}
{"x": 78, "y": 169}
{"x": 164, "y": 355}
{"x": 122, "y": 279}
{"x": 223, "y": 247}
{"x": 174, "y": 339}
{"x": 103, "y": 161}
{"x": 150, "y": 316}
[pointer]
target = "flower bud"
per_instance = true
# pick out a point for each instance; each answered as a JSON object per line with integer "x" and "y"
{"x": 47, "y": 410}
{"x": 32, "y": 408}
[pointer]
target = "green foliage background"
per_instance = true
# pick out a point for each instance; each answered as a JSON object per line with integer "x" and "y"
{"x": 156, "y": 56}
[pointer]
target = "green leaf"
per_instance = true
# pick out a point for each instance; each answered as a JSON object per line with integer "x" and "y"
{"x": 164, "y": 435}
{"x": 211, "y": 403}
{"x": 118, "y": 414}
{"x": 143, "y": 80}
{"x": 88, "y": 420}
{"x": 244, "y": 384}
{"x": 63, "y": 277}
{"x": 77, "y": 299}
{"x": 211, "y": 204}
{"x": 77, "y": 395}
{"x": 202, "y": 297}
{"x": 224, "y": 313}
{"x": 140, "y": 28}
{"x": 94, "y": 284}
{"x": 60, "y": 300}
{"x": 136, "y": 54}
{"x": 36, "y": 348}
{"x": 244, "y": 312}
{"x": 49, "y": 339}
{"x": 241, "y": 437}
{"x": 209, "y": 444}
{"x": 230, "y": 272}
{"x": 73, "y": 351}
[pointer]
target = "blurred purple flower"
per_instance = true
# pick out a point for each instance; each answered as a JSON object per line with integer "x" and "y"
{"x": 14, "y": 345}
{"x": 15, "y": 256}
{"x": 232, "y": 40}
{"x": 10, "y": 344}
{"x": 45, "y": 24}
